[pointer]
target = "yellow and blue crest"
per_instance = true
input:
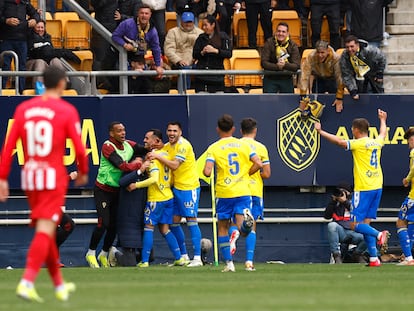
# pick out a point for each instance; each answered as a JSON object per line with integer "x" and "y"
{"x": 297, "y": 141}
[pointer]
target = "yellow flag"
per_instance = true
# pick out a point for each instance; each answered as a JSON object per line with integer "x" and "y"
{"x": 201, "y": 162}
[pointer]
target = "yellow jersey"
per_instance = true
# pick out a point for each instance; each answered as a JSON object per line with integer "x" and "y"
{"x": 366, "y": 153}
{"x": 159, "y": 189}
{"x": 256, "y": 181}
{"x": 411, "y": 194}
{"x": 231, "y": 157}
{"x": 185, "y": 177}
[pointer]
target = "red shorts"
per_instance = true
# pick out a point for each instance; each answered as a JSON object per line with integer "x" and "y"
{"x": 46, "y": 204}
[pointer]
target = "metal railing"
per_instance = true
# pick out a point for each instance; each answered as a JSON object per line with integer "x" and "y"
{"x": 91, "y": 76}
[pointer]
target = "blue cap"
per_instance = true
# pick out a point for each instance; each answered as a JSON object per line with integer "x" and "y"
{"x": 187, "y": 17}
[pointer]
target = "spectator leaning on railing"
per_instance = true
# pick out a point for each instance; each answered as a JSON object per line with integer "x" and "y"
{"x": 362, "y": 67}
{"x": 137, "y": 35}
{"x": 321, "y": 73}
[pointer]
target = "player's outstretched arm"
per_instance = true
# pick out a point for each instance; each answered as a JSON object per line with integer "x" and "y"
{"x": 330, "y": 137}
{"x": 382, "y": 115}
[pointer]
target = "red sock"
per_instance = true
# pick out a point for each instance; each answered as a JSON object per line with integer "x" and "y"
{"x": 36, "y": 256}
{"x": 52, "y": 262}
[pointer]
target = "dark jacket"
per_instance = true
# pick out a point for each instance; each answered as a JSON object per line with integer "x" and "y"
{"x": 367, "y": 19}
{"x": 105, "y": 11}
{"x": 41, "y": 47}
{"x": 196, "y": 7}
{"x": 339, "y": 212}
{"x": 324, "y": 2}
{"x": 211, "y": 60}
{"x": 130, "y": 217}
{"x": 375, "y": 59}
{"x": 128, "y": 8}
{"x": 9, "y": 8}
{"x": 269, "y": 60}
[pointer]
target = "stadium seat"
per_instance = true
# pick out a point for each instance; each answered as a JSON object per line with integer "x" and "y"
{"x": 8, "y": 92}
{"x": 48, "y": 16}
{"x": 29, "y": 92}
{"x": 170, "y": 20}
{"x": 340, "y": 51}
{"x": 54, "y": 28}
{"x": 190, "y": 91}
{"x": 70, "y": 92}
{"x": 240, "y": 31}
{"x": 59, "y": 4}
{"x": 228, "y": 79}
{"x": 103, "y": 91}
{"x": 77, "y": 34}
{"x": 246, "y": 60}
{"x": 256, "y": 91}
{"x": 32, "y": 92}
{"x": 173, "y": 91}
{"x": 305, "y": 55}
{"x": 66, "y": 16}
{"x": 86, "y": 58}
{"x": 292, "y": 19}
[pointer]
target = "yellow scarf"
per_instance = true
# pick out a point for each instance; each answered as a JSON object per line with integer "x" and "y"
{"x": 360, "y": 67}
{"x": 281, "y": 49}
{"x": 142, "y": 32}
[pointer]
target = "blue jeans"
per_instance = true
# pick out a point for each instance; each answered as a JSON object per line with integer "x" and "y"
{"x": 20, "y": 47}
{"x": 338, "y": 234}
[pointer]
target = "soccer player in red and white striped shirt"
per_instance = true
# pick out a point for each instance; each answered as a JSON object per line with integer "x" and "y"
{"x": 43, "y": 124}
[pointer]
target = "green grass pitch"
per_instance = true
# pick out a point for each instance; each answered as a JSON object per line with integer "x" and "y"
{"x": 299, "y": 287}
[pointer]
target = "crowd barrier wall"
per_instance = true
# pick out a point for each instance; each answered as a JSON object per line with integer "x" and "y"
{"x": 298, "y": 156}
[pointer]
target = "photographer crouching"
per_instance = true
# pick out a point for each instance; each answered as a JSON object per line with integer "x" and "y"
{"x": 340, "y": 234}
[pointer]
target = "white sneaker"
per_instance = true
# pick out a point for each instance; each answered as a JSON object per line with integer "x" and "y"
{"x": 233, "y": 239}
{"x": 111, "y": 256}
{"x": 248, "y": 218}
{"x": 195, "y": 263}
{"x": 229, "y": 267}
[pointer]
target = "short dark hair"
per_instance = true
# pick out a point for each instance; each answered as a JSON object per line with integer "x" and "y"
{"x": 52, "y": 75}
{"x": 283, "y": 24}
{"x": 361, "y": 124}
{"x": 409, "y": 133}
{"x": 143, "y": 6}
{"x": 248, "y": 125}
{"x": 112, "y": 125}
{"x": 157, "y": 133}
{"x": 175, "y": 123}
{"x": 225, "y": 123}
{"x": 351, "y": 38}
